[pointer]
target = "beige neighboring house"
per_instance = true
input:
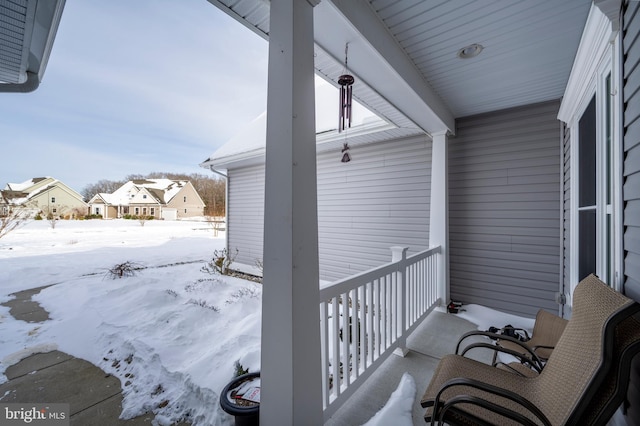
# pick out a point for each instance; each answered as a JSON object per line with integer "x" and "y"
{"x": 44, "y": 195}
{"x": 161, "y": 198}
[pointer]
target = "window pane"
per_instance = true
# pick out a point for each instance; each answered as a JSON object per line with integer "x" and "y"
{"x": 587, "y": 156}
{"x": 587, "y": 243}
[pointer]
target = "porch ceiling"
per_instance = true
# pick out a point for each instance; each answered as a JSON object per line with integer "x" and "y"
{"x": 407, "y": 51}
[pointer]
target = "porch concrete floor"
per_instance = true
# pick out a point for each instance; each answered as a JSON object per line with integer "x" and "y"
{"x": 437, "y": 336}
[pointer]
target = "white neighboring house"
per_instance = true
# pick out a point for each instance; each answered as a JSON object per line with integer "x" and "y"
{"x": 45, "y": 195}
{"x": 159, "y": 198}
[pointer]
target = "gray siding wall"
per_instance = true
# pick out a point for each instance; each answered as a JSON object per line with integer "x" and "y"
{"x": 631, "y": 168}
{"x": 631, "y": 183}
{"x": 378, "y": 200}
{"x": 504, "y": 209}
{"x": 246, "y": 213}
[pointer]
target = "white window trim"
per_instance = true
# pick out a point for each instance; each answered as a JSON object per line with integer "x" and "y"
{"x": 598, "y": 55}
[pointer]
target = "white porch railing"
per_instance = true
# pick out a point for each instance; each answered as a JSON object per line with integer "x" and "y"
{"x": 366, "y": 317}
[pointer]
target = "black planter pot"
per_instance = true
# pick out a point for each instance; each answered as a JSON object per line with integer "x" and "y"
{"x": 245, "y": 415}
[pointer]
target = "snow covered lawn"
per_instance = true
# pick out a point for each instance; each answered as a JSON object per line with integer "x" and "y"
{"x": 171, "y": 333}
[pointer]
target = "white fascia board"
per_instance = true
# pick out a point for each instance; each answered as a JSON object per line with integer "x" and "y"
{"x": 48, "y": 16}
{"x": 593, "y": 45}
{"x": 376, "y": 58}
{"x": 248, "y": 158}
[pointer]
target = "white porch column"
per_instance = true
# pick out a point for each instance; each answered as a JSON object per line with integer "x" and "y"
{"x": 291, "y": 390}
{"x": 439, "y": 215}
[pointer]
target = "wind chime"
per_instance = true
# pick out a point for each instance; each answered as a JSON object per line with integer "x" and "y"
{"x": 346, "y": 99}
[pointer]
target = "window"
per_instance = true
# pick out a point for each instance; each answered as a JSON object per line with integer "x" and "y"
{"x": 185, "y": 199}
{"x": 185, "y": 210}
{"x": 54, "y": 210}
{"x": 598, "y": 219}
{"x": 587, "y": 206}
{"x": 144, "y": 211}
{"x": 144, "y": 196}
{"x": 137, "y": 211}
{"x": 152, "y": 211}
{"x": 53, "y": 199}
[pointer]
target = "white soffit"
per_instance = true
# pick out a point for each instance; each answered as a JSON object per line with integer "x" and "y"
{"x": 529, "y": 48}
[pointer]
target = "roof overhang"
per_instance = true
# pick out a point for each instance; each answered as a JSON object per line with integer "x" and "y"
{"x": 375, "y": 60}
{"x": 27, "y": 31}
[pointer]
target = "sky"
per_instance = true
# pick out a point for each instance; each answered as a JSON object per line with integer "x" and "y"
{"x": 134, "y": 87}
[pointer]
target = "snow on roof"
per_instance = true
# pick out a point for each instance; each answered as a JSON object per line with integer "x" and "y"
{"x": 252, "y": 138}
{"x": 26, "y": 184}
{"x": 162, "y": 189}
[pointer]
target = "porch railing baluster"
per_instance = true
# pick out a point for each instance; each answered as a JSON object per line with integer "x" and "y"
{"x": 366, "y": 317}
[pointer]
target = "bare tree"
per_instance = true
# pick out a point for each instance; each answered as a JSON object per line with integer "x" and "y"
{"x": 102, "y": 186}
{"x": 11, "y": 218}
{"x": 142, "y": 219}
{"x": 53, "y": 212}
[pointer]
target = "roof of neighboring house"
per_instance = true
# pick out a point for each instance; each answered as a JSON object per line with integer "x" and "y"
{"x": 19, "y": 193}
{"x": 24, "y": 186}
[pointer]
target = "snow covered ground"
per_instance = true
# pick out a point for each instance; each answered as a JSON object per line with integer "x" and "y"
{"x": 171, "y": 333}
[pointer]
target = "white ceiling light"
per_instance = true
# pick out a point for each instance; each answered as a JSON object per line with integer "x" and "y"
{"x": 470, "y": 51}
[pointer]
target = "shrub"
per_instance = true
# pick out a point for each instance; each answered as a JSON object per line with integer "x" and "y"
{"x": 38, "y": 217}
{"x": 220, "y": 263}
{"x": 203, "y": 304}
{"x": 239, "y": 369}
{"x": 125, "y": 269}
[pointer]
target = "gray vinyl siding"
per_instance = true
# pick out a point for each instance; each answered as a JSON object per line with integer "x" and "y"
{"x": 631, "y": 168}
{"x": 504, "y": 204}
{"x": 246, "y": 213}
{"x": 631, "y": 180}
{"x": 378, "y": 200}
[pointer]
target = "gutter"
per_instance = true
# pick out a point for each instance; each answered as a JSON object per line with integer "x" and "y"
{"x": 218, "y": 172}
{"x": 28, "y": 86}
{"x": 226, "y": 206}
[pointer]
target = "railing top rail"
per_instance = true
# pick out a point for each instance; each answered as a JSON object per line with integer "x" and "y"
{"x": 424, "y": 254}
{"x": 336, "y": 288}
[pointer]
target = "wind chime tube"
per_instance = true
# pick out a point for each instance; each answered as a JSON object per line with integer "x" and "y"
{"x": 346, "y": 96}
{"x": 341, "y": 110}
{"x": 349, "y": 99}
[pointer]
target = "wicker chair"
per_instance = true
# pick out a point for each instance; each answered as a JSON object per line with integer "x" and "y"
{"x": 572, "y": 387}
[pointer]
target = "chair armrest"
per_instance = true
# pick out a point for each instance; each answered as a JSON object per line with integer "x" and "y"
{"x": 439, "y": 408}
{"x": 489, "y": 334}
{"x": 533, "y": 360}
